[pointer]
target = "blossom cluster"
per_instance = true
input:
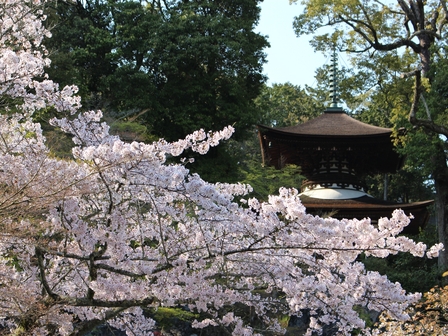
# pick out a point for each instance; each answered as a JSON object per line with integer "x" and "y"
{"x": 125, "y": 231}
{"x": 23, "y": 58}
{"x": 118, "y": 232}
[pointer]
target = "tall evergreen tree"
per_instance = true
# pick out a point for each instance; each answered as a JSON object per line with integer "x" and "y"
{"x": 183, "y": 65}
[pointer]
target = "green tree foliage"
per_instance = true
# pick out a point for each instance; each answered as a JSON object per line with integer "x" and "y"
{"x": 82, "y": 50}
{"x": 267, "y": 181}
{"x": 214, "y": 65}
{"x": 172, "y": 66}
{"x": 437, "y": 97}
{"x": 287, "y": 105}
{"x": 186, "y": 64}
{"x": 264, "y": 180}
{"x": 407, "y": 185}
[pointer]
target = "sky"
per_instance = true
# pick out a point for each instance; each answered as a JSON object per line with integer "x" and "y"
{"x": 290, "y": 59}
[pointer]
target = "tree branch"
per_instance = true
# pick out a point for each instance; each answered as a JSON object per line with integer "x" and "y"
{"x": 376, "y": 44}
{"x": 85, "y": 302}
{"x": 40, "y": 262}
{"x": 427, "y": 124}
{"x": 73, "y": 256}
{"x": 120, "y": 271}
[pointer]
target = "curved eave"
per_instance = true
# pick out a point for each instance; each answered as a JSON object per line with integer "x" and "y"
{"x": 361, "y": 202}
{"x": 369, "y": 207}
{"x": 311, "y": 135}
{"x": 331, "y": 125}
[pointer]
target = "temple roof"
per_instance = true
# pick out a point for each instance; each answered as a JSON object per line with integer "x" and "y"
{"x": 332, "y": 123}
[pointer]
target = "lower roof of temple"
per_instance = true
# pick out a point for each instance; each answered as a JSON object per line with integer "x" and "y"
{"x": 368, "y": 207}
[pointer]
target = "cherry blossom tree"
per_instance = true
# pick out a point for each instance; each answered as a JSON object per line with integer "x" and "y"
{"x": 120, "y": 230}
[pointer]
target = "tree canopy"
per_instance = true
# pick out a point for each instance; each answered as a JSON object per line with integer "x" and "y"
{"x": 287, "y": 105}
{"x": 180, "y": 65}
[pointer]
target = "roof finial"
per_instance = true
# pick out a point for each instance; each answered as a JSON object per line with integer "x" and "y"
{"x": 334, "y": 94}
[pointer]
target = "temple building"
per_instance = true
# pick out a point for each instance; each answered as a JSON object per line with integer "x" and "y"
{"x": 335, "y": 153}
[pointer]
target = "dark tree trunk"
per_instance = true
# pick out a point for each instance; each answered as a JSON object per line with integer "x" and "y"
{"x": 440, "y": 175}
{"x": 441, "y": 215}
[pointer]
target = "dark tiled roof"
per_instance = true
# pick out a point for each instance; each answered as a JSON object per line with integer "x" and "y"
{"x": 332, "y": 124}
{"x": 360, "y": 202}
{"x": 368, "y": 207}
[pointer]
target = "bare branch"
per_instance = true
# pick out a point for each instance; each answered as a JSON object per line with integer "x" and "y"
{"x": 85, "y": 302}
{"x": 120, "y": 271}
{"x": 40, "y": 262}
{"x": 71, "y": 255}
{"x": 427, "y": 124}
{"x": 428, "y": 113}
{"x": 425, "y": 32}
{"x": 410, "y": 74}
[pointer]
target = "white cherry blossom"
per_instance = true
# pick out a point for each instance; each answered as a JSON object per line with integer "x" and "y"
{"x": 118, "y": 232}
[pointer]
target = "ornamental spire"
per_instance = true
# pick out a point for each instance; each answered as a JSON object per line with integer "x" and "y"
{"x": 334, "y": 81}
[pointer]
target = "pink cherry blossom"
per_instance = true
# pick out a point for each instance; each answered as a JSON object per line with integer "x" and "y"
{"x": 117, "y": 230}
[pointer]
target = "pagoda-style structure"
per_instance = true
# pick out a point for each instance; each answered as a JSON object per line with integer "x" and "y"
{"x": 335, "y": 152}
